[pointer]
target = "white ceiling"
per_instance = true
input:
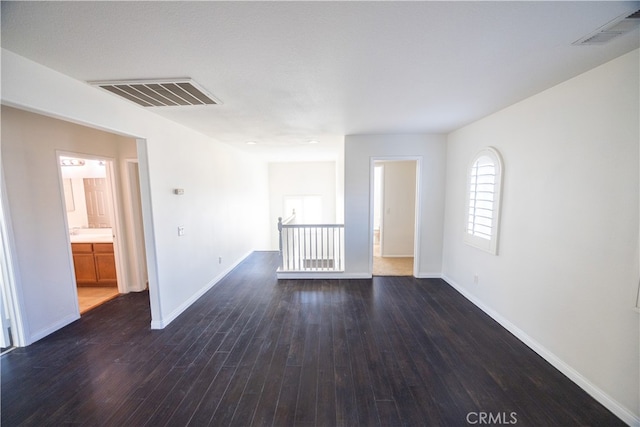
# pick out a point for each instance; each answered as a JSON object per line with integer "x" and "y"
{"x": 290, "y": 72}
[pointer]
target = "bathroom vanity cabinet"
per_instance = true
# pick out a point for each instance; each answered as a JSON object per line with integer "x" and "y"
{"x": 94, "y": 264}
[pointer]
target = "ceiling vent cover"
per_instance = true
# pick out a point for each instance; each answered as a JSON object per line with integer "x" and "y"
{"x": 159, "y": 93}
{"x": 619, "y": 26}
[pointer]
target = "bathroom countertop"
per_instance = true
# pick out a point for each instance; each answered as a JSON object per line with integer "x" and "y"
{"x": 91, "y": 238}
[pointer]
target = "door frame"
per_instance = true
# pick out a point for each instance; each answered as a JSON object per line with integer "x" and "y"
{"x": 133, "y": 215}
{"x": 114, "y": 208}
{"x": 381, "y": 213}
{"x": 10, "y": 277}
{"x": 418, "y": 207}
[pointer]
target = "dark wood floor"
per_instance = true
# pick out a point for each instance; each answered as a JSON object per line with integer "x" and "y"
{"x": 257, "y": 351}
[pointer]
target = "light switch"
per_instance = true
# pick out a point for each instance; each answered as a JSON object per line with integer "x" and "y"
{"x": 181, "y": 230}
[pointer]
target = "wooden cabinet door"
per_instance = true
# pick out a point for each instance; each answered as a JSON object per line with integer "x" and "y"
{"x": 84, "y": 266}
{"x": 105, "y": 268}
{"x": 95, "y": 264}
{"x": 103, "y": 248}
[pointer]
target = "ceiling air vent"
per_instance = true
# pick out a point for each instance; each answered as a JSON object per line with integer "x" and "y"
{"x": 159, "y": 93}
{"x": 619, "y": 26}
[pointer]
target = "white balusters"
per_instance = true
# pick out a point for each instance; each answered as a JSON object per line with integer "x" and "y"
{"x": 311, "y": 247}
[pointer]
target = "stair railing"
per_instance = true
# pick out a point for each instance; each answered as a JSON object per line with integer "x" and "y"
{"x": 311, "y": 247}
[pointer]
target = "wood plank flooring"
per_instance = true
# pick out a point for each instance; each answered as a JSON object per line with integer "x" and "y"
{"x": 255, "y": 351}
{"x": 387, "y": 266}
{"x": 391, "y": 266}
{"x": 90, "y": 297}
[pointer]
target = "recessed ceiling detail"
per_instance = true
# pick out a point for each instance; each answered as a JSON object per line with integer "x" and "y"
{"x": 613, "y": 29}
{"x": 159, "y": 93}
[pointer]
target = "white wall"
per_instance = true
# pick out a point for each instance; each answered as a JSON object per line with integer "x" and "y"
{"x": 223, "y": 187}
{"x": 399, "y": 206}
{"x": 29, "y": 144}
{"x": 297, "y": 179}
{"x": 567, "y": 272}
{"x": 360, "y": 151}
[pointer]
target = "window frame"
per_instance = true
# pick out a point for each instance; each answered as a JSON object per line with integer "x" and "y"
{"x": 488, "y": 245}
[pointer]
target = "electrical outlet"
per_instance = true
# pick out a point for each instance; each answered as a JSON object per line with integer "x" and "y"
{"x": 475, "y": 279}
{"x": 219, "y": 260}
{"x": 181, "y": 230}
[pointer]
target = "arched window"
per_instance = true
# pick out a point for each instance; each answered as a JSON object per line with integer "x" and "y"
{"x": 484, "y": 184}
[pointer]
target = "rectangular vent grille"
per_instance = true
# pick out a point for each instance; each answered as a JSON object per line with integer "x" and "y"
{"x": 159, "y": 93}
{"x": 613, "y": 29}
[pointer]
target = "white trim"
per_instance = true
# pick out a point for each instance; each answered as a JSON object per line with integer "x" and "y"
{"x": 381, "y": 238}
{"x": 617, "y": 408}
{"x": 20, "y": 330}
{"x": 162, "y": 323}
{"x": 399, "y": 256}
{"x": 149, "y": 234}
{"x": 53, "y": 327}
{"x": 73, "y": 283}
{"x": 117, "y": 228}
{"x": 303, "y": 275}
{"x": 370, "y": 230}
{"x": 429, "y": 276}
{"x": 138, "y": 260}
{"x": 417, "y": 240}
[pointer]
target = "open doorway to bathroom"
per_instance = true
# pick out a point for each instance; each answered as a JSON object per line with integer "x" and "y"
{"x": 394, "y": 209}
{"x": 89, "y": 204}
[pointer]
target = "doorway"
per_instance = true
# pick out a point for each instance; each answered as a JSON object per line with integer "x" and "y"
{"x": 394, "y": 217}
{"x": 89, "y": 201}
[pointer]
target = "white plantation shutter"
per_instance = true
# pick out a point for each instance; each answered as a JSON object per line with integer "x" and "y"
{"x": 481, "y": 193}
{"x": 483, "y": 200}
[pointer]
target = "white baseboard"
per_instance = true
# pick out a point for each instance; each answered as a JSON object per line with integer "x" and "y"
{"x": 607, "y": 401}
{"x": 321, "y": 275}
{"x": 340, "y": 275}
{"x": 51, "y": 328}
{"x": 398, "y": 256}
{"x": 162, "y": 323}
{"x": 429, "y": 276}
